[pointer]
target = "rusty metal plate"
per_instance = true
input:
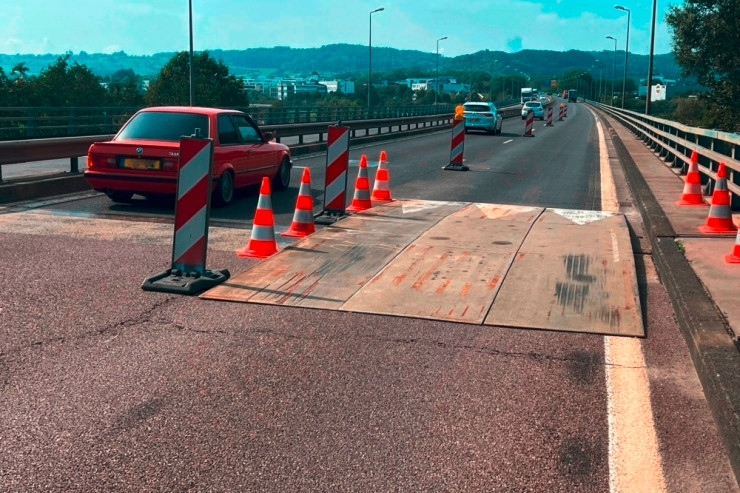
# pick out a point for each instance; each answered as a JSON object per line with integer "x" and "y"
{"x": 493, "y": 264}
{"x": 453, "y": 270}
{"x": 575, "y": 272}
{"x": 325, "y": 269}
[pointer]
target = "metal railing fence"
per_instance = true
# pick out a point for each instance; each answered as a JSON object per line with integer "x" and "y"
{"x": 673, "y": 142}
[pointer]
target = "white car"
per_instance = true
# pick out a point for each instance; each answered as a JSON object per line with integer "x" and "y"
{"x": 535, "y": 107}
{"x": 482, "y": 116}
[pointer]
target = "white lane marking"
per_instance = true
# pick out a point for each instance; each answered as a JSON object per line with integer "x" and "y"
{"x": 634, "y": 457}
{"x": 510, "y": 140}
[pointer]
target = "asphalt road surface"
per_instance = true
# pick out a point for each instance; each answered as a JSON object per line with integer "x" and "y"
{"x": 105, "y": 387}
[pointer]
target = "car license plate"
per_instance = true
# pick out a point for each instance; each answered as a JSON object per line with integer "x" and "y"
{"x": 141, "y": 163}
{"x": 475, "y": 119}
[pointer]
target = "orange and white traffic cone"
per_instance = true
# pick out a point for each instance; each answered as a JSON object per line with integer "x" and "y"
{"x": 720, "y": 215}
{"x": 262, "y": 243}
{"x": 692, "y": 186}
{"x": 302, "y": 224}
{"x": 734, "y": 256}
{"x": 381, "y": 188}
{"x": 361, "y": 199}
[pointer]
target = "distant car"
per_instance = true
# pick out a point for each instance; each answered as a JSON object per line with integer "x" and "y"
{"x": 143, "y": 157}
{"x": 482, "y": 116}
{"x": 537, "y": 109}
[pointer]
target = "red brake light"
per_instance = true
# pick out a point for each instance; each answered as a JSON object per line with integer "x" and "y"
{"x": 101, "y": 161}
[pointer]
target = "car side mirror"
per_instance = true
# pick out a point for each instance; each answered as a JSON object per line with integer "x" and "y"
{"x": 269, "y": 136}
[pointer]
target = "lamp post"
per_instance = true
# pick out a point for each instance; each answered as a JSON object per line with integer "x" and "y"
{"x": 370, "y": 56}
{"x": 650, "y": 62}
{"x": 190, "y": 19}
{"x": 436, "y": 89}
{"x": 626, "y": 49}
{"x": 614, "y": 67}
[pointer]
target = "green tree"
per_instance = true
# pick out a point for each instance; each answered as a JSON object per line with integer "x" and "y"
{"x": 706, "y": 34}
{"x": 64, "y": 85}
{"x": 125, "y": 93}
{"x": 212, "y": 83}
{"x": 20, "y": 69}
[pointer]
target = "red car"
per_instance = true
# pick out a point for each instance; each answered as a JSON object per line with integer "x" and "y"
{"x": 143, "y": 157}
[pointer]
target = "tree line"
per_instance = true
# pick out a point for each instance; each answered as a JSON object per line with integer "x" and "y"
{"x": 65, "y": 84}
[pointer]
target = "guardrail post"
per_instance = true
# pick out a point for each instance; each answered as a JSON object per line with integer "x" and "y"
{"x": 670, "y": 149}
{"x": 703, "y": 160}
{"x": 74, "y": 165}
{"x": 734, "y": 176}
{"x": 31, "y": 127}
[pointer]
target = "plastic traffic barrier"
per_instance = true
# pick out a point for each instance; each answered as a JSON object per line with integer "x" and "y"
{"x": 187, "y": 274}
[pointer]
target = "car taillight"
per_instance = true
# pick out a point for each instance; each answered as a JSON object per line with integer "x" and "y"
{"x": 487, "y": 115}
{"x": 101, "y": 161}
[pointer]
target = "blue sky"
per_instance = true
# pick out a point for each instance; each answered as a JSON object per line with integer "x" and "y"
{"x": 142, "y": 27}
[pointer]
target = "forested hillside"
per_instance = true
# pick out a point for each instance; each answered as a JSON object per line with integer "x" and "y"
{"x": 353, "y": 59}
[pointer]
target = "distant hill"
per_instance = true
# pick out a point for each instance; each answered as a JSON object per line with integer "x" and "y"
{"x": 334, "y": 59}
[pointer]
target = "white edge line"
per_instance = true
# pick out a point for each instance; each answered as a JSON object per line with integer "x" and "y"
{"x": 636, "y": 461}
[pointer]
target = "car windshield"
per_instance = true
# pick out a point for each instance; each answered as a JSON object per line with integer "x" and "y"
{"x": 161, "y": 125}
{"x": 478, "y": 107}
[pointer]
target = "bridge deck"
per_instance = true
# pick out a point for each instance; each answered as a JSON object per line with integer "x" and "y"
{"x": 490, "y": 264}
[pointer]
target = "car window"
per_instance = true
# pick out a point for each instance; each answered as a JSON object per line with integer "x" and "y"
{"x": 162, "y": 125}
{"x": 227, "y": 131}
{"x": 247, "y": 130}
{"x": 478, "y": 107}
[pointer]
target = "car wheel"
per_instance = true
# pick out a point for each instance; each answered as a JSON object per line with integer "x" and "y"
{"x": 282, "y": 179}
{"x": 120, "y": 197}
{"x": 224, "y": 192}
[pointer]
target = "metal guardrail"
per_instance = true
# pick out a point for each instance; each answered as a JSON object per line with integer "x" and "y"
{"x": 673, "y": 142}
{"x": 31, "y": 150}
{"x": 48, "y": 122}
{"x": 19, "y": 123}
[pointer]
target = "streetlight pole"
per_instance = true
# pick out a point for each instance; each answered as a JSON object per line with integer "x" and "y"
{"x": 614, "y": 66}
{"x": 370, "y": 56}
{"x": 626, "y": 49}
{"x": 190, "y": 19}
{"x": 436, "y": 89}
{"x": 650, "y": 62}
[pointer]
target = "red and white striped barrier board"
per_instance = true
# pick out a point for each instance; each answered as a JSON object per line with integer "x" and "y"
{"x": 560, "y": 112}
{"x": 549, "y": 117}
{"x": 529, "y": 124}
{"x": 188, "y": 273}
{"x": 457, "y": 144}
{"x": 335, "y": 183}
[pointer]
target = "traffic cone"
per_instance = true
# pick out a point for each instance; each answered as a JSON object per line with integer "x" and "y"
{"x": 302, "y": 224}
{"x": 734, "y": 256}
{"x": 262, "y": 243}
{"x": 720, "y": 215}
{"x": 692, "y": 186}
{"x": 361, "y": 199}
{"x": 381, "y": 189}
